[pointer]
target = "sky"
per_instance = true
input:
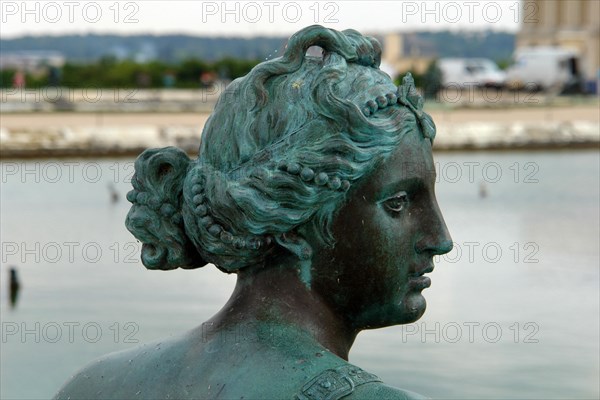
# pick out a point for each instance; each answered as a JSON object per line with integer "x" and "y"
{"x": 253, "y": 18}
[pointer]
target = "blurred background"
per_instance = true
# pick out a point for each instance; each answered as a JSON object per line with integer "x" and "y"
{"x": 513, "y": 312}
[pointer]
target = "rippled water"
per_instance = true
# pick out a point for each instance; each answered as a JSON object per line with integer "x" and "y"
{"x": 513, "y": 311}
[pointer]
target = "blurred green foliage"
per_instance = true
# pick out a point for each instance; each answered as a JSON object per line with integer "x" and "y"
{"x": 504, "y": 63}
{"x": 430, "y": 81}
{"x": 110, "y": 72}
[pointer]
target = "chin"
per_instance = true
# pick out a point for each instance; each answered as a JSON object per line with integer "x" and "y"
{"x": 414, "y": 307}
{"x": 407, "y": 311}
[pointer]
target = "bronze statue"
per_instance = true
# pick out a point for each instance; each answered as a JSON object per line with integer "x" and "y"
{"x": 315, "y": 185}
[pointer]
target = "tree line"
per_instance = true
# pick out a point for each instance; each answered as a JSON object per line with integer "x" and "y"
{"x": 113, "y": 73}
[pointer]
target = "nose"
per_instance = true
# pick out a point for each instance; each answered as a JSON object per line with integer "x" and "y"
{"x": 436, "y": 239}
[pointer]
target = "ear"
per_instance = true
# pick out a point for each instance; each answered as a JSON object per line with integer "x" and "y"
{"x": 298, "y": 246}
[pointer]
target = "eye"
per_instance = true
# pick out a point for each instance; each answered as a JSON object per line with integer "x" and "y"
{"x": 397, "y": 203}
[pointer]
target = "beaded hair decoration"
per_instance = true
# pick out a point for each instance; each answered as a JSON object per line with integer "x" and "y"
{"x": 406, "y": 95}
{"x": 201, "y": 209}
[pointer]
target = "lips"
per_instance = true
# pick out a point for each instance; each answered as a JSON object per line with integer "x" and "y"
{"x": 420, "y": 272}
{"x": 419, "y": 282}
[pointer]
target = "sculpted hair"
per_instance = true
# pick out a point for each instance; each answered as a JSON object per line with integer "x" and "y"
{"x": 280, "y": 151}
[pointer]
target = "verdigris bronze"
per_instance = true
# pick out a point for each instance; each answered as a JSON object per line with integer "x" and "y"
{"x": 314, "y": 185}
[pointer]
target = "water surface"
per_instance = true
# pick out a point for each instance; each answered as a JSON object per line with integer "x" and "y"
{"x": 513, "y": 311}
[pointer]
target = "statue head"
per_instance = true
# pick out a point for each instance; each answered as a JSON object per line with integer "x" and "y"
{"x": 286, "y": 150}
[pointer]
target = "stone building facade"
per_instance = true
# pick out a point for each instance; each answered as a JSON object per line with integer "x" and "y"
{"x": 573, "y": 24}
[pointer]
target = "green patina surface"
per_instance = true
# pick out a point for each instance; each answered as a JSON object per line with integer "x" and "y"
{"x": 313, "y": 184}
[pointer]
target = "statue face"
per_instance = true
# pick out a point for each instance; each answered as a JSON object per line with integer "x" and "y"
{"x": 386, "y": 236}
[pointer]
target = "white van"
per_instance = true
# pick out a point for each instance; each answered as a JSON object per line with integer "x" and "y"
{"x": 544, "y": 68}
{"x": 465, "y": 72}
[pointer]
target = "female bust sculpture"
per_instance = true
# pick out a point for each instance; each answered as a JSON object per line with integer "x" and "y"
{"x": 315, "y": 185}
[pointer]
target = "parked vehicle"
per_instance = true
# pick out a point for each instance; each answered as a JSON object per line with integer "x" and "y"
{"x": 545, "y": 68}
{"x": 466, "y": 72}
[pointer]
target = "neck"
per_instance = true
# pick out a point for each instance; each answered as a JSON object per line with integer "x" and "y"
{"x": 275, "y": 295}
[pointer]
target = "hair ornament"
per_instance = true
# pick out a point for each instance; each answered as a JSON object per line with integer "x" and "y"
{"x": 410, "y": 98}
{"x": 204, "y": 220}
{"x": 309, "y": 175}
{"x": 406, "y": 95}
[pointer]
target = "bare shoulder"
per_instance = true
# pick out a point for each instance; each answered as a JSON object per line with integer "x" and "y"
{"x": 123, "y": 374}
{"x": 91, "y": 381}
